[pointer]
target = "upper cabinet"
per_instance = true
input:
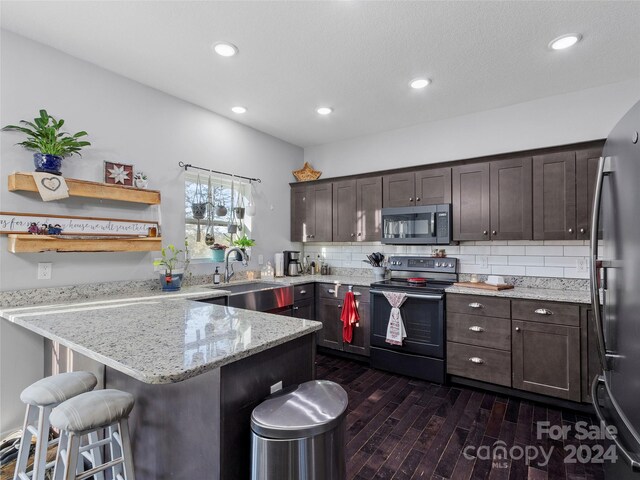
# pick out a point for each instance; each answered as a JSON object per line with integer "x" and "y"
{"x": 586, "y": 171}
{"x": 311, "y": 213}
{"x": 357, "y": 210}
{"x": 423, "y": 187}
{"x": 510, "y": 192}
{"x": 470, "y": 209}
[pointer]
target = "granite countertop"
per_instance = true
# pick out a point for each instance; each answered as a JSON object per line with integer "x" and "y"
{"x": 547, "y": 294}
{"x": 161, "y": 338}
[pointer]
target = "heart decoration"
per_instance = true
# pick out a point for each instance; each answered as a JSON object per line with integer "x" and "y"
{"x": 51, "y": 183}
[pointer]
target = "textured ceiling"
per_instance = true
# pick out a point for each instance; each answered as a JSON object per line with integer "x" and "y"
{"x": 357, "y": 57}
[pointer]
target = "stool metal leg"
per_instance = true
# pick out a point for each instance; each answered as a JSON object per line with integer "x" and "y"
{"x": 126, "y": 449}
{"x": 30, "y": 417}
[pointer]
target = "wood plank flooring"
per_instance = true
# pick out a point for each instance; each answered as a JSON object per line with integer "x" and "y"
{"x": 403, "y": 428}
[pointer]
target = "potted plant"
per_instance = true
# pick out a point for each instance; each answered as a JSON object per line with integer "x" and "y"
{"x": 244, "y": 243}
{"x": 217, "y": 252}
{"x": 140, "y": 180}
{"x": 171, "y": 279}
{"x": 50, "y": 144}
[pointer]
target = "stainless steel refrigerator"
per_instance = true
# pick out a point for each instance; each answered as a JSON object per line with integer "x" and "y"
{"x": 615, "y": 288}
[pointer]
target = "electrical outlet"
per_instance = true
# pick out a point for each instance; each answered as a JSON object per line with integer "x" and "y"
{"x": 260, "y": 259}
{"x": 483, "y": 261}
{"x": 276, "y": 387}
{"x": 44, "y": 271}
{"x": 582, "y": 265}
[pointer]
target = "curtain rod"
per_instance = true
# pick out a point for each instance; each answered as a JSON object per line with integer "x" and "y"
{"x": 188, "y": 165}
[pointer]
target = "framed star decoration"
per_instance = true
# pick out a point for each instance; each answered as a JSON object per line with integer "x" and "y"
{"x": 118, "y": 174}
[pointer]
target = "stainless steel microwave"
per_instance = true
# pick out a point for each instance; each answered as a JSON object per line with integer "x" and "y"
{"x": 423, "y": 225}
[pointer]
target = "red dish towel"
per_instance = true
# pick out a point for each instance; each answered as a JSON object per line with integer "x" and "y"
{"x": 349, "y": 316}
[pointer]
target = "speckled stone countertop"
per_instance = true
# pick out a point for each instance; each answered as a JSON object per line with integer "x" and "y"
{"x": 160, "y": 338}
{"x": 546, "y": 294}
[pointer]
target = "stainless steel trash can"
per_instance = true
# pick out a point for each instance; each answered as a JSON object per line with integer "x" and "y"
{"x": 299, "y": 434}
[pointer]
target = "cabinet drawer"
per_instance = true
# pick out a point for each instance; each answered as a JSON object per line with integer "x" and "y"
{"x": 546, "y": 312}
{"x": 479, "y": 305}
{"x": 492, "y": 332}
{"x": 303, "y": 292}
{"x": 326, "y": 290}
{"x": 479, "y": 363}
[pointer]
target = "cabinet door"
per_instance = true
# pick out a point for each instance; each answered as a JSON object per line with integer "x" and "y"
{"x": 546, "y": 359}
{"x": 323, "y": 224}
{"x": 554, "y": 196}
{"x": 298, "y": 214}
{"x": 511, "y": 208}
{"x": 309, "y": 223}
{"x": 344, "y": 211}
{"x": 305, "y": 309}
{"x": 586, "y": 170}
{"x": 369, "y": 209}
{"x": 361, "y": 333}
{"x": 589, "y": 351}
{"x": 328, "y": 313}
{"x": 433, "y": 186}
{"x": 399, "y": 190}
{"x": 471, "y": 202}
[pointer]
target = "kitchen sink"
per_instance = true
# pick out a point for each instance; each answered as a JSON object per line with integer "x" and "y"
{"x": 258, "y": 296}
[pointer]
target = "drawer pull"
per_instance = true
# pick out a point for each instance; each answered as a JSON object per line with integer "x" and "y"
{"x": 476, "y": 305}
{"x": 331, "y": 290}
{"x": 296, "y": 308}
{"x": 302, "y": 292}
{"x": 476, "y": 328}
{"x": 356, "y": 294}
{"x": 476, "y": 360}
{"x": 543, "y": 311}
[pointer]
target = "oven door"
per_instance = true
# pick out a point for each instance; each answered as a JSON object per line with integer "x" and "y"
{"x": 423, "y": 318}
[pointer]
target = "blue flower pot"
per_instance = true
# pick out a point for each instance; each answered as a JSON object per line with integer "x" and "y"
{"x": 217, "y": 255}
{"x": 47, "y": 163}
{"x": 172, "y": 286}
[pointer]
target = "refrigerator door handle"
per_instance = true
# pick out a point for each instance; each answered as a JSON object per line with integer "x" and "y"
{"x": 595, "y": 294}
{"x": 633, "y": 462}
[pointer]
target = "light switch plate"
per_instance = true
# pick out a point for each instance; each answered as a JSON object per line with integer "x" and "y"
{"x": 44, "y": 271}
{"x": 484, "y": 262}
{"x": 582, "y": 265}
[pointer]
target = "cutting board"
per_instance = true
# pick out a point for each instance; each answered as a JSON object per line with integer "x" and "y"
{"x": 484, "y": 286}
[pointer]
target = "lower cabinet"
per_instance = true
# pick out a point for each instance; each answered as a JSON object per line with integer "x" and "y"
{"x": 304, "y": 305}
{"x": 328, "y": 311}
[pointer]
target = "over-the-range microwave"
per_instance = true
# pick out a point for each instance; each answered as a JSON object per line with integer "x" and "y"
{"x": 422, "y": 225}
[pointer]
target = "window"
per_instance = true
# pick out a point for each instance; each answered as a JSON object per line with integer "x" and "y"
{"x": 220, "y": 196}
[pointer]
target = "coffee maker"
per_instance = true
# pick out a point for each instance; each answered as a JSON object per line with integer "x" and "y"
{"x": 292, "y": 266}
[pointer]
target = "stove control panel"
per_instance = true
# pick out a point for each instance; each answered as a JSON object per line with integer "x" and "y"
{"x": 424, "y": 264}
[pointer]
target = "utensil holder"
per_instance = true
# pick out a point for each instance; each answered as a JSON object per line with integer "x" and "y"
{"x": 378, "y": 273}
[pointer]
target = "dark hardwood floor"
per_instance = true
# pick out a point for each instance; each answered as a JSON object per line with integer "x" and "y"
{"x": 403, "y": 428}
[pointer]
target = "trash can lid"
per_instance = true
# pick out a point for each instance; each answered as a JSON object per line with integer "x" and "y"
{"x": 310, "y": 409}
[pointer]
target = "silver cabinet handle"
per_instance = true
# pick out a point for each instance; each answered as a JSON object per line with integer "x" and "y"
{"x": 476, "y": 305}
{"x": 417, "y": 199}
{"x": 582, "y": 230}
{"x": 296, "y": 308}
{"x": 543, "y": 311}
{"x": 359, "y": 234}
{"x": 476, "y": 328}
{"x": 356, "y": 294}
{"x": 494, "y": 232}
{"x": 476, "y": 360}
{"x": 484, "y": 232}
{"x": 353, "y": 235}
{"x": 302, "y": 292}
{"x": 340, "y": 306}
{"x": 571, "y": 230}
{"x": 411, "y": 199}
{"x": 517, "y": 329}
{"x": 331, "y": 290}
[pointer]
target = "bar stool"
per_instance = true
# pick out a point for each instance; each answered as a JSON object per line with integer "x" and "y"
{"x": 40, "y": 398}
{"x": 86, "y": 414}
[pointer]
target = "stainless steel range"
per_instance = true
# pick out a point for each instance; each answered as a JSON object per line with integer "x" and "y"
{"x": 423, "y": 280}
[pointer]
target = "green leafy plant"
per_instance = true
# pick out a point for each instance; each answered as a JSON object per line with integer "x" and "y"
{"x": 171, "y": 258}
{"x": 244, "y": 242}
{"x": 44, "y": 136}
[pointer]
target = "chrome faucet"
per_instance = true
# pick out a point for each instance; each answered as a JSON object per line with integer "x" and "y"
{"x": 228, "y": 271}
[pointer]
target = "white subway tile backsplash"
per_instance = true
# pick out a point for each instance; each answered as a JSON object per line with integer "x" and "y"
{"x": 508, "y": 270}
{"x": 545, "y": 271}
{"x": 574, "y": 273}
{"x": 576, "y": 251}
{"x": 563, "y": 242}
{"x": 492, "y": 242}
{"x": 474, "y": 250}
{"x": 467, "y": 268}
{"x": 545, "y": 250}
{"x": 467, "y": 259}
{"x": 560, "y": 262}
{"x": 526, "y": 260}
{"x": 508, "y": 250}
{"x": 497, "y": 260}
{"x": 525, "y": 242}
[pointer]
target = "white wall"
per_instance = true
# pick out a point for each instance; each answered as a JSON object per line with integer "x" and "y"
{"x": 130, "y": 123}
{"x": 558, "y": 120}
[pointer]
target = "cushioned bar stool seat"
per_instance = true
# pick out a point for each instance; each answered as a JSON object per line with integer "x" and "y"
{"x": 40, "y": 398}
{"x": 84, "y": 415}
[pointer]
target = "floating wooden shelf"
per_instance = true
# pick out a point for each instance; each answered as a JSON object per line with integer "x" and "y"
{"x": 21, "y": 243}
{"x": 83, "y": 188}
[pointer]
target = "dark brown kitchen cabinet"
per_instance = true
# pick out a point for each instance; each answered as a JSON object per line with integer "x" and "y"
{"x": 471, "y": 219}
{"x": 304, "y": 305}
{"x": 586, "y": 171}
{"x": 311, "y": 213}
{"x": 545, "y": 359}
{"x": 589, "y": 352}
{"x": 554, "y": 196}
{"x": 328, "y": 311}
{"x": 344, "y": 211}
{"x": 369, "y": 209}
{"x": 422, "y": 187}
{"x": 510, "y": 192}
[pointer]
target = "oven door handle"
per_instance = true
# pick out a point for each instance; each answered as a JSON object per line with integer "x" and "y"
{"x": 434, "y": 296}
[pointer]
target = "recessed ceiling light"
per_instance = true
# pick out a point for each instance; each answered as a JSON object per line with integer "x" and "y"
{"x": 419, "y": 83}
{"x": 225, "y": 49}
{"x": 565, "y": 41}
{"x": 324, "y": 110}
{"x": 239, "y": 109}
